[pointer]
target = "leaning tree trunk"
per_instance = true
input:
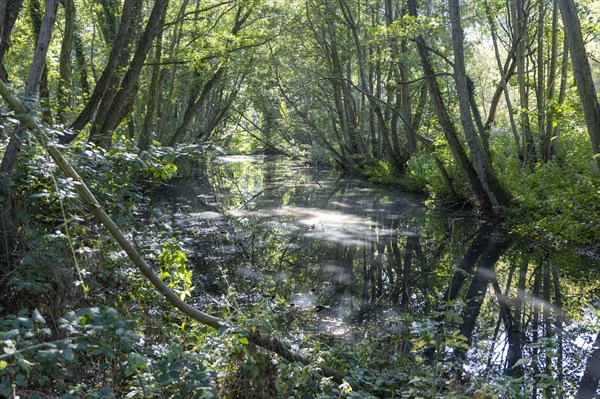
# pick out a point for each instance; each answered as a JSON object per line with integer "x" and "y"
{"x": 493, "y": 189}
{"x": 122, "y": 41}
{"x": 11, "y": 154}
{"x": 582, "y": 73}
{"x": 32, "y": 83}
{"x": 130, "y": 79}
{"x": 445, "y": 122}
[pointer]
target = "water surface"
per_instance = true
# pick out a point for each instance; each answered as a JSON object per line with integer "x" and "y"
{"x": 361, "y": 258}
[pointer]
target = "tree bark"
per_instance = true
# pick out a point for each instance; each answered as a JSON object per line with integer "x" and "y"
{"x": 32, "y": 83}
{"x": 64, "y": 81}
{"x": 448, "y": 128}
{"x": 497, "y": 195}
{"x": 582, "y": 73}
{"x": 122, "y": 42}
{"x": 132, "y": 75}
{"x": 546, "y": 146}
{"x": 9, "y": 11}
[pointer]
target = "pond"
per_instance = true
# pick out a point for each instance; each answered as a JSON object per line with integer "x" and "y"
{"x": 360, "y": 258}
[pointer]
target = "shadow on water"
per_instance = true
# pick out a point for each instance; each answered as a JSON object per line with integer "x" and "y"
{"x": 360, "y": 257}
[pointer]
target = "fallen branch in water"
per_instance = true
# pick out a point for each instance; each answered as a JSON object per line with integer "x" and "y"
{"x": 267, "y": 342}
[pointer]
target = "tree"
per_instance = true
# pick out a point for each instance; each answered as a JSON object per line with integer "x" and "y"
{"x": 582, "y": 73}
{"x": 491, "y": 185}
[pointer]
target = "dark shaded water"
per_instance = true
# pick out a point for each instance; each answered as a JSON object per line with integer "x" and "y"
{"x": 357, "y": 255}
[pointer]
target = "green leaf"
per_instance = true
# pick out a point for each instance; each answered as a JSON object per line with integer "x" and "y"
{"x": 521, "y": 362}
{"x": 37, "y": 317}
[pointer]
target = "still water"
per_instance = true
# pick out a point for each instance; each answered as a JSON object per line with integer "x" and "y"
{"x": 359, "y": 258}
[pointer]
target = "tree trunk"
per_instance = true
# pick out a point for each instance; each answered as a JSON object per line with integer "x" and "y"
{"x": 196, "y": 106}
{"x": 541, "y": 78}
{"x": 519, "y": 21}
{"x": 121, "y": 44}
{"x": 582, "y": 73}
{"x": 154, "y": 94}
{"x": 131, "y": 77}
{"x": 9, "y": 11}
{"x": 32, "y": 83}
{"x": 495, "y": 192}
{"x": 546, "y": 146}
{"x": 392, "y": 157}
{"x": 448, "y": 128}
{"x": 81, "y": 64}
{"x": 504, "y": 76}
{"x": 63, "y": 94}
{"x": 108, "y": 20}
{"x": 11, "y": 154}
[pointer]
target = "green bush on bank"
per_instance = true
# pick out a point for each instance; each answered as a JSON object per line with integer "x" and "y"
{"x": 558, "y": 200}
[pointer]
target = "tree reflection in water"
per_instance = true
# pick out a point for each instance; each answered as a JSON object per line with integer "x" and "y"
{"x": 366, "y": 259}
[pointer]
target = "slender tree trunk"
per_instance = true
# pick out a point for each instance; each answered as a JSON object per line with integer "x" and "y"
{"x": 131, "y": 77}
{"x": 582, "y": 73}
{"x": 448, "y": 128}
{"x": 121, "y": 45}
{"x": 2, "y": 15}
{"x": 154, "y": 94}
{"x": 9, "y": 10}
{"x": 43, "y": 91}
{"x": 562, "y": 93}
{"x": 546, "y": 146}
{"x": 11, "y": 154}
{"x": 540, "y": 94}
{"x": 108, "y": 20}
{"x": 519, "y": 20}
{"x": 495, "y": 192}
{"x": 506, "y": 73}
{"x": 64, "y": 81}
{"x": 32, "y": 84}
{"x": 164, "y": 113}
{"x": 196, "y": 107}
{"x": 81, "y": 64}
{"x": 391, "y": 156}
{"x": 504, "y": 83}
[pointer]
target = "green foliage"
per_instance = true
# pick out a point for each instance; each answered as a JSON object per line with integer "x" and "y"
{"x": 382, "y": 173}
{"x": 174, "y": 269}
{"x": 34, "y": 360}
{"x": 557, "y": 200}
